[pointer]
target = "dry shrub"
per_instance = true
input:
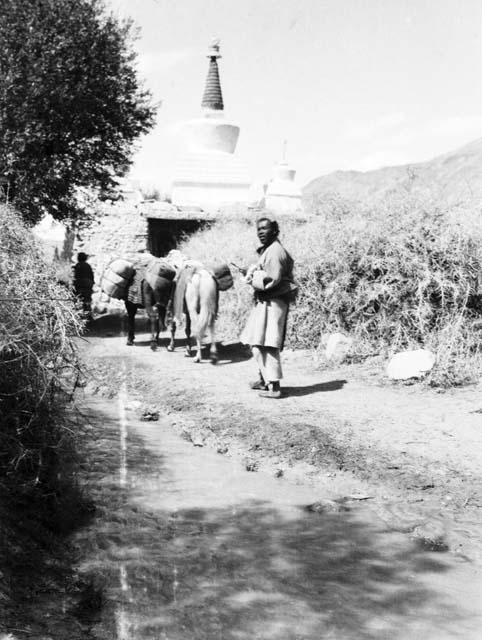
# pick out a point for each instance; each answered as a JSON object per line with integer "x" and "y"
{"x": 38, "y": 360}
{"x": 63, "y": 272}
{"x": 227, "y": 241}
{"x": 400, "y": 274}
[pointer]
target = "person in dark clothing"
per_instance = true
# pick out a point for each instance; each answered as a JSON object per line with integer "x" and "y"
{"x": 83, "y": 281}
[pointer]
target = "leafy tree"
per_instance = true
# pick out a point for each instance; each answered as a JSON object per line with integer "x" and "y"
{"x": 71, "y": 105}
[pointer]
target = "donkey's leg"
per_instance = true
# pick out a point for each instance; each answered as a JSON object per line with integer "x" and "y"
{"x": 199, "y": 353}
{"x": 213, "y": 350}
{"x": 162, "y": 318}
{"x": 154, "y": 322}
{"x": 152, "y": 313}
{"x": 188, "y": 352}
{"x": 192, "y": 308}
{"x": 131, "y": 309}
{"x": 199, "y": 334}
{"x": 171, "y": 345}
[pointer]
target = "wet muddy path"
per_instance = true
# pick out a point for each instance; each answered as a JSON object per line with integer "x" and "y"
{"x": 188, "y": 543}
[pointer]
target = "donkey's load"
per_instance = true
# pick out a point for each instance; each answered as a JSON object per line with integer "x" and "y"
{"x": 159, "y": 276}
{"x": 117, "y": 277}
{"x": 159, "y": 268}
{"x": 222, "y": 274}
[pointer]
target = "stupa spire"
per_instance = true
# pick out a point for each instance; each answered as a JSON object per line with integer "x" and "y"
{"x": 213, "y": 97}
{"x": 209, "y": 174}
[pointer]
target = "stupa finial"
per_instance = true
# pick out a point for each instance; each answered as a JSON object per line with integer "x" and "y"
{"x": 213, "y": 97}
{"x": 214, "y": 47}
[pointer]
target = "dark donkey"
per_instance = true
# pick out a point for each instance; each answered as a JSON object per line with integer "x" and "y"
{"x": 155, "y": 307}
{"x": 151, "y": 289}
{"x": 194, "y": 295}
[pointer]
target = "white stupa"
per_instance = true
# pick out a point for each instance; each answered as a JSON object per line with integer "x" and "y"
{"x": 209, "y": 174}
{"x": 283, "y": 194}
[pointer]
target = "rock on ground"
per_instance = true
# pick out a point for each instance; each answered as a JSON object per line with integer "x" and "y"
{"x": 410, "y": 364}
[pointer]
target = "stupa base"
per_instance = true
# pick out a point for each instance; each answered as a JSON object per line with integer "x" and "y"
{"x": 210, "y": 179}
{"x": 284, "y": 204}
{"x": 209, "y": 195}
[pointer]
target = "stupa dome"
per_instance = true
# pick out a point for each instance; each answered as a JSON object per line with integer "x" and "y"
{"x": 209, "y": 134}
{"x": 209, "y": 174}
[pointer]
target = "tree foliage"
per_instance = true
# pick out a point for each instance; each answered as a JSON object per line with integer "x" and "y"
{"x": 71, "y": 105}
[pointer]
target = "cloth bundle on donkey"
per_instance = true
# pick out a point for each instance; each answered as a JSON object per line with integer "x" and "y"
{"x": 117, "y": 278}
{"x": 222, "y": 274}
{"x": 134, "y": 292}
{"x": 159, "y": 275}
{"x": 140, "y": 261}
{"x": 122, "y": 278}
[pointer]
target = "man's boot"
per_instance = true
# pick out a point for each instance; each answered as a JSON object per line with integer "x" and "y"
{"x": 273, "y": 391}
{"x": 259, "y": 384}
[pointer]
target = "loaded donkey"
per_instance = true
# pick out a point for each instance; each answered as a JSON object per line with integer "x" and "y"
{"x": 185, "y": 288}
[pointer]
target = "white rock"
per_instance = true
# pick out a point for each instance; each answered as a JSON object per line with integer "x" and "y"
{"x": 337, "y": 346}
{"x": 410, "y": 364}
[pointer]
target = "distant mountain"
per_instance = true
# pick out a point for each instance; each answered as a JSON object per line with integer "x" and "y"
{"x": 448, "y": 178}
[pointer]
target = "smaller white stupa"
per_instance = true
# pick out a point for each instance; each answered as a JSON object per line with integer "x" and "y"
{"x": 283, "y": 194}
{"x": 209, "y": 173}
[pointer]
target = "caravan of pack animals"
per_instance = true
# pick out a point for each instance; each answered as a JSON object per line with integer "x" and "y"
{"x": 174, "y": 288}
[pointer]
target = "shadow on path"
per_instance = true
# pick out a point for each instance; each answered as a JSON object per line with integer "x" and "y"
{"x": 319, "y": 387}
{"x": 243, "y": 568}
{"x": 233, "y": 352}
{"x": 114, "y": 324}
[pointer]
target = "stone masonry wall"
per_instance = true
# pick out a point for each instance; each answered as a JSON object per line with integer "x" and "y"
{"x": 119, "y": 229}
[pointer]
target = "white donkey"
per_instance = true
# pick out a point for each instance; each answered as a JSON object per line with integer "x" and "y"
{"x": 196, "y": 297}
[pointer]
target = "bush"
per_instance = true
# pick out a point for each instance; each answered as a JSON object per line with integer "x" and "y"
{"x": 404, "y": 274}
{"x": 38, "y": 360}
{"x": 232, "y": 241}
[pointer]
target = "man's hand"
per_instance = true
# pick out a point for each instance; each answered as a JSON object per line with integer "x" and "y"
{"x": 248, "y": 278}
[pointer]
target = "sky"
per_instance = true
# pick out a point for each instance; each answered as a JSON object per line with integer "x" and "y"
{"x": 349, "y": 84}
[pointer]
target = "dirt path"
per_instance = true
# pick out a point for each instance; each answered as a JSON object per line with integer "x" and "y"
{"x": 416, "y": 453}
{"x": 202, "y": 529}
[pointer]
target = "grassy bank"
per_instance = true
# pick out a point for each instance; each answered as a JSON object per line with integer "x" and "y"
{"x": 400, "y": 275}
{"x": 39, "y": 500}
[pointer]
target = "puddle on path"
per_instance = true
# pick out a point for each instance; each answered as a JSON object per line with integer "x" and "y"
{"x": 202, "y": 549}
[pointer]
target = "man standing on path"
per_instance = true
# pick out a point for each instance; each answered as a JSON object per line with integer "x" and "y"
{"x": 84, "y": 281}
{"x": 272, "y": 280}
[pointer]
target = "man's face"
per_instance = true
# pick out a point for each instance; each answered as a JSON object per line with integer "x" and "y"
{"x": 265, "y": 232}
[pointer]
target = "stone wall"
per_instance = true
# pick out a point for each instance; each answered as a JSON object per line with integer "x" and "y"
{"x": 127, "y": 227}
{"x": 119, "y": 229}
